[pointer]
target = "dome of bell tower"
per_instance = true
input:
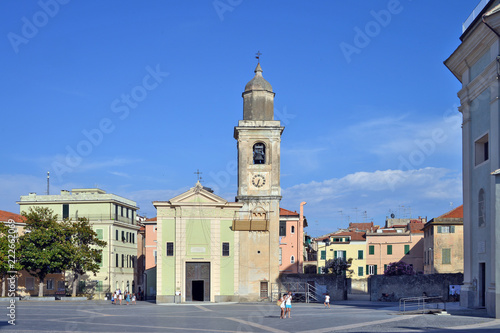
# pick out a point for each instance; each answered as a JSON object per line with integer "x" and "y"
{"x": 258, "y": 98}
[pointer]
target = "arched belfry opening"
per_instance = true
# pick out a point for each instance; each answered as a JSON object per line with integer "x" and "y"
{"x": 259, "y": 153}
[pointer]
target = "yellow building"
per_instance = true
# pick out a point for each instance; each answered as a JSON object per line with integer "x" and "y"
{"x": 350, "y": 245}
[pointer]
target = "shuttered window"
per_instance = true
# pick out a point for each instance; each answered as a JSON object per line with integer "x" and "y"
{"x": 371, "y": 249}
{"x": 407, "y": 249}
{"x": 446, "y": 254}
{"x": 389, "y": 249}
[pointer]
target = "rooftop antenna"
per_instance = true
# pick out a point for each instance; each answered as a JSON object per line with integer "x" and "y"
{"x": 48, "y": 182}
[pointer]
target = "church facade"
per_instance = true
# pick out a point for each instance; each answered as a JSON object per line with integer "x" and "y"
{"x": 213, "y": 250}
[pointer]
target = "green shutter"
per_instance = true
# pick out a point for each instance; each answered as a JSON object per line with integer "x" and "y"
{"x": 367, "y": 270}
{"x": 334, "y": 254}
{"x": 319, "y": 270}
{"x": 439, "y": 229}
{"x": 323, "y": 254}
{"x": 360, "y": 254}
{"x": 407, "y": 249}
{"x": 389, "y": 249}
{"x": 446, "y": 256}
{"x": 344, "y": 255}
{"x": 371, "y": 249}
{"x": 360, "y": 271}
{"x": 375, "y": 270}
{"x": 385, "y": 267}
{"x": 452, "y": 229}
{"x": 99, "y": 234}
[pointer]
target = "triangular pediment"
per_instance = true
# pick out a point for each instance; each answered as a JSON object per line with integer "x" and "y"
{"x": 198, "y": 195}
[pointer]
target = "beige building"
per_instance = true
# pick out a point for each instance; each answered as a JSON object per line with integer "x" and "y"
{"x": 113, "y": 218}
{"x": 444, "y": 243}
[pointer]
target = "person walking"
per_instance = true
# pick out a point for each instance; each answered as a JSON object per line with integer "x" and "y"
{"x": 127, "y": 297}
{"x": 288, "y": 305}
{"x": 133, "y": 299}
{"x": 327, "y": 300}
{"x": 282, "y": 306}
{"x": 120, "y": 297}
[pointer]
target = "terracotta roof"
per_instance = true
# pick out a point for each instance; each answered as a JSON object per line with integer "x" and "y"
{"x": 355, "y": 236}
{"x": 286, "y": 212}
{"x": 361, "y": 226}
{"x": 6, "y": 216}
{"x": 151, "y": 219}
{"x": 399, "y": 226}
{"x": 454, "y": 213}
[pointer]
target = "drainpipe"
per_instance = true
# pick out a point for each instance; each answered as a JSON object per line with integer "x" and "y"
{"x": 300, "y": 240}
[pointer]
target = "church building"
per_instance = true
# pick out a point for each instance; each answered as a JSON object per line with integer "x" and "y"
{"x": 213, "y": 250}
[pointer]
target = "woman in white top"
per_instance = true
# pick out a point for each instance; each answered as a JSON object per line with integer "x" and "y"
{"x": 288, "y": 304}
{"x": 282, "y": 306}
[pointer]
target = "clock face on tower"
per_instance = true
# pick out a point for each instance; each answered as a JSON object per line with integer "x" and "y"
{"x": 258, "y": 180}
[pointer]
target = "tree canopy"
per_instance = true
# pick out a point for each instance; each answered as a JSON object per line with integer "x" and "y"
{"x": 399, "y": 268}
{"x": 338, "y": 266}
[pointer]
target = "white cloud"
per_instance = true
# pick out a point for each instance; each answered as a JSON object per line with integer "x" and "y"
{"x": 427, "y": 192}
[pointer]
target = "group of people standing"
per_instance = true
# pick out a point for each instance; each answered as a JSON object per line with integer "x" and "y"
{"x": 286, "y": 305}
{"x": 118, "y": 296}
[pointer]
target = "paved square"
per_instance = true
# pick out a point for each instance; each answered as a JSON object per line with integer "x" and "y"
{"x": 347, "y": 316}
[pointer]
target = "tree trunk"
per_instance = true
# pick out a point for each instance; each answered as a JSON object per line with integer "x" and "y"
{"x": 75, "y": 281}
{"x": 40, "y": 288}
{"x": 4, "y": 278}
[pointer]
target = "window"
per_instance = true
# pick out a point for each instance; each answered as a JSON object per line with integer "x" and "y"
{"x": 281, "y": 254}
{"x": 339, "y": 254}
{"x": 99, "y": 234}
{"x": 282, "y": 228}
{"x": 446, "y": 254}
{"x": 127, "y": 212}
{"x": 123, "y": 236}
{"x": 360, "y": 271}
{"x": 123, "y": 260}
{"x": 117, "y": 261}
{"x": 371, "y": 249}
{"x": 385, "y": 267}
{"x": 133, "y": 238}
{"x": 292, "y": 260}
{"x": 60, "y": 286}
{"x": 292, "y": 229}
{"x": 50, "y": 284}
{"x": 170, "y": 249}
{"x": 323, "y": 254}
{"x": 407, "y": 249}
{"x": 360, "y": 254}
{"x": 121, "y": 211}
{"x": 259, "y": 153}
{"x": 30, "y": 283}
{"x": 481, "y": 211}
{"x": 225, "y": 249}
{"x": 116, "y": 213}
{"x": 154, "y": 253}
{"x": 389, "y": 249}
{"x": 117, "y": 233}
{"x": 371, "y": 269}
{"x": 65, "y": 214}
{"x": 481, "y": 149}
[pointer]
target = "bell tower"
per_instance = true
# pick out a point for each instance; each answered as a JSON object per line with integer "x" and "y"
{"x": 259, "y": 140}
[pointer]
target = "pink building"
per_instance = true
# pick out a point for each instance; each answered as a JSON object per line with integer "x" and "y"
{"x": 292, "y": 226}
{"x": 150, "y": 256}
{"x": 394, "y": 244}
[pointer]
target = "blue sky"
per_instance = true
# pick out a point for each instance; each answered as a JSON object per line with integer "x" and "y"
{"x": 133, "y": 97}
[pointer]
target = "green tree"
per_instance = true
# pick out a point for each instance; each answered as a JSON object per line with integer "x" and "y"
{"x": 399, "y": 268}
{"x": 85, "y": 249}
{"x": 43, "y": 248}
{"x": 8, "y": 248}
{"x": 338, "y": 266}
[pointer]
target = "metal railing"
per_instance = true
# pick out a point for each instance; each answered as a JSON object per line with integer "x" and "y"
{"x": 421, "y": 304}
{"x": 303, "y": 292}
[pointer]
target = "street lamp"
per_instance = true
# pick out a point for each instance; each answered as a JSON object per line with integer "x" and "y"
{"x": 431, "y": 259}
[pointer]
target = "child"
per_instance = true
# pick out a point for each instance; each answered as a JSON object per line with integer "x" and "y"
{"x": 327, "y": 300}
{"x": 133, "y": 298}
{"x": 112, "y": 298}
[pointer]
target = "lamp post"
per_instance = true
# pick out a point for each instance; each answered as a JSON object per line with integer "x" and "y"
{"x": 431, "y": 257}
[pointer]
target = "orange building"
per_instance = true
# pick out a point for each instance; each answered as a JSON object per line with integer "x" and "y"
{"x": 27, "y": 284}
{"x": 394, "y": 244}
{"x": 291, "y": 252}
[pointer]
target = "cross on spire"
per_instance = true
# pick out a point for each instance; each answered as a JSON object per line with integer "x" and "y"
{"x": 198, "y": 173}
{"x": 258, "y": 56}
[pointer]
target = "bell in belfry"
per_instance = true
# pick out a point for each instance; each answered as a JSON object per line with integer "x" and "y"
{"x": 258, "y": 154}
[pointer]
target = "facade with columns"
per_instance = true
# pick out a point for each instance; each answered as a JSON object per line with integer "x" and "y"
{"x": 210, "y": 249}
{"x": 475, "y": 63}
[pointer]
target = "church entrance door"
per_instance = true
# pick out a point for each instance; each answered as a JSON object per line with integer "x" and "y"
{"x": 197, "y": 281}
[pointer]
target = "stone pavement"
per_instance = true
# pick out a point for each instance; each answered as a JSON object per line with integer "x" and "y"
{"x": 346, "y": 316}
